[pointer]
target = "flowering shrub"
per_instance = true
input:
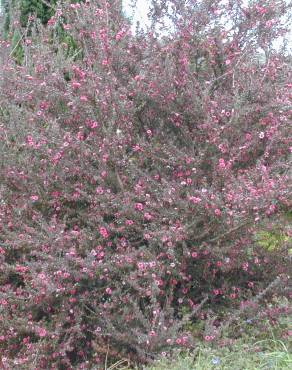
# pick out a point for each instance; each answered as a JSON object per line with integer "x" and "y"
{"x": 133, "y": 177}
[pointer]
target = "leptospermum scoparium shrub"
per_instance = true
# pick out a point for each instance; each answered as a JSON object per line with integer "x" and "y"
{"x": 133, "y": 175}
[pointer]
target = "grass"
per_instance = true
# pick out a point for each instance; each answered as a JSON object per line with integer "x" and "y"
{"x": 266, "y": 354}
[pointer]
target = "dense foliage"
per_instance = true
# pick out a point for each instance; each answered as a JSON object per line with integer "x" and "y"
{"x": 134, "y": 176}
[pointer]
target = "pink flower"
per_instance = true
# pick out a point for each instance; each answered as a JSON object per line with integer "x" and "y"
{"x": 217, "y": 212}
{"x": 222, "y": 148}
{"x": 20, "y": 268}
{"x": 80, "y": 136}
{"x": 51, "y": 21}
{"x": 34, "y": 198}
{"x": 261, "y": 9}
{"x": 79, "y": 72}
{"x": 195, "y": 200}
{"x": 108, "y": 291}
{"x": 139, "y": 206}
{"x": 99, "y": 190}
{"x": 148, "y": 216}
{"x": 74, "y": 6}
{"x": 93, "y": 124}
{"x": 141, "y": 265}
{"x": 103, "y": 232}
{"x": 75, "y": 84}
{"x": 29, "y": 140}
{"x": 41, "y": 332}
{"x": 208, "y": 338}
{"x": 222, "y": 164}
{"x": 44, "y": 105}
{"x": 120, "y": 34}
{"x": 136, "y": 148}
{"x": 159, "y": 282}
{"x": 245, "y": 266}
{"x": 83, "y": 98}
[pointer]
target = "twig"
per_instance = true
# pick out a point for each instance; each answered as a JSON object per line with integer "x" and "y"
{"x": 186, "y": 318}
{"x": 266, "y": 71}
{"x": 119, "y": 363}
{"x": 228, "y": 232}
{"x": 106, "y": 357}
{"x": 16, "y": 46}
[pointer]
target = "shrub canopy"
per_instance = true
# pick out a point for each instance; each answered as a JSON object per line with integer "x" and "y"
{"x": 134, "y": 174}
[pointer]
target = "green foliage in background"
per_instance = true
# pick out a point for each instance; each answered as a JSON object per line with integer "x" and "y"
{"x": 276, "y": 238}
{"x": 271, "y": 240}
{"x": 43, "y": 12}
{"x": 26, "y": 7}
{"x": 37, "y": 7}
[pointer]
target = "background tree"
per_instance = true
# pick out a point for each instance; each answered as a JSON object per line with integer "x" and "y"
{"x": 41, "y": 8}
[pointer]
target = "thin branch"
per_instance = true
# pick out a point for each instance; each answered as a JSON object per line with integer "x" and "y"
{"x": 236, "y": 314}
{"x": 16, "y": 46}
{"x": 106, "y": 358}
{"x": 188, "y": 317}
{"x": 219, "y": 237}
